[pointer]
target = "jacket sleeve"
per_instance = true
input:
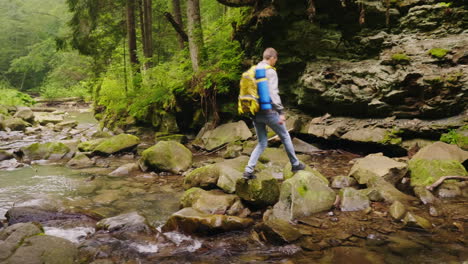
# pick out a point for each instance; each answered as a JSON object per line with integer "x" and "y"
{"x": 274, "y": 91}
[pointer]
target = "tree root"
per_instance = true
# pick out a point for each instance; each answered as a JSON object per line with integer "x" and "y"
{"x": 442, "y": 179}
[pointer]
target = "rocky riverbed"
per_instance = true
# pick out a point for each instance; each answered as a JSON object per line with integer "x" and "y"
{"x": 141, "y": 197}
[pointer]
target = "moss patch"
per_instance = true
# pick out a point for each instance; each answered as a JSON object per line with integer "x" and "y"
{"x": 401, "y": 58}
{"x": 438, "y": 53}
{"x": 425, "y": 172}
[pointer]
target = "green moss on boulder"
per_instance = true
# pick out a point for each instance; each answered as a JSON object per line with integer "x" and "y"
{"x": 116, "y": 144}
{"x": 261, "y": 192}
{"x": 49, "y": 150}
{"x": 425, "y": 172}
{"x": 401, "y": 58}
{"x": 438, "y": 53}
{"x": 168, "y": 156}
{"x": 90, "y": 145}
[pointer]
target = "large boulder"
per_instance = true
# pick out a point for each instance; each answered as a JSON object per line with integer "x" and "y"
{"x": 372, "y": 135}
{"x": 287, "y": 173}
{"x": 90, "y": 145}
{"x": 303, "y": 195}
{"x": 224, "y": 134}
{"x": 189, "y": 220}
{"x": 25, "y": 113}
{"x": 168, "y": 156}
{"x": 278, "y": 231}
{"x": 437, "y": 160}
{"x": 49, "y": 150}
{"x": 116, "y": 144}
{"x": 44, "y": 118}
{"x": 377, "y": 165}
{"x": 262, "y": 191}
{"x": 12, "y": 236}
{"x": 211, "y": 202}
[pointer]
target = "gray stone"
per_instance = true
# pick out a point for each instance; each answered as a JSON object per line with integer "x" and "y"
{"x": 412, "y": 219}
{"x": 224, "y": 134}
{"x": 377, "y": 165}
{"x": 25, "y": 113}
{"x": 424, "y": 195}
{"x": 278, "y": 231}
{"x": 130, "y": 222}
{"x": 125, "y": 170}
{"x": 397, "y": 210}
{"x": 5, "y": 155}
{"x": 211, "y": 202}
{"x": 353, "y": 200}
{"x": 340, "y": 182}
{"x": 262, "y": 191}
{"x": 80, "y": 161}
{"x": 15, "y": 124}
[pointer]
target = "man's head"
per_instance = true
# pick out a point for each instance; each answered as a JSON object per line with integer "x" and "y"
{"x": 270, "y": 55}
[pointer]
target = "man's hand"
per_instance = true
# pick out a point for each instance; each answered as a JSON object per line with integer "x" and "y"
{"x": 282, "y": 119}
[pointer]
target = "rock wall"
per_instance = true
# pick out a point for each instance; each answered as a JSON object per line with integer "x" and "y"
{"x": 341, "y": 57}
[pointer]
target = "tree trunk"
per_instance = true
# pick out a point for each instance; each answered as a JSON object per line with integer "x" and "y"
{"x": 237, "y": 3}
{"x": 195, "y": 33}
{"x": 146, "y": 22}
{"x": 132, "y": 47}
{"x": 178, "y": 19}
{"x": 180, "y": 31}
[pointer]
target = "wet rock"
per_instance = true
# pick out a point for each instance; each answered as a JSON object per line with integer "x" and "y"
{"x": 90, "y": 145}
{"x": 211, "y": 202}
{"x": 46, "y": 118}
{"x": 130, "y": 222}
{"x": 262, "y": 191}
{"x": 31, "y": 214}
{"x": 189, "y": 220}
{"x": 303, "y": 195}
{"x": 205, "y": 177}
{"x": 412, "y": 219}
{"x": 12, "y": 237}
{"x": 424, "y": 195}
{"x": 340, "y": 182}
{"x": 5, "y": 155}
{"x": 168, "y": 156}
{"x": 397, "y": 210}
{"x": 278, "y": 231}
{"x": 80, "y": 161}
{"x": 10, "y": 164}
{"x": 352, "y": 255}
{"x": 49, "y": 150}
{"x": 231, "y": 132}
{"x": 382, "y": 190}
{"x": 353, "y": 200}
{"x": 45, "y": 249}
{"x": 287, "y": 173}
{"x": 115, "y": 144}
{"x": 434, "y": 211}
{"x": 125, "y": 170}
{"x": 377, "y": 165}
{"x": 15, "y": 124}
{"x": 228, "y": 177}
{"x": 25, "y": 113}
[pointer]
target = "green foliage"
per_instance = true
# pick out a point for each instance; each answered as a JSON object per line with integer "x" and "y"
{"x": 401, "y": 58}
{"x": 438, "y": 53}
{"x": 13, "y": 97}
{"x": 455, "y": 137}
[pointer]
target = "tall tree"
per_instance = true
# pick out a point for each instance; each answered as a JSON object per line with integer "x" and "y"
{"x": 195, "y": 33}
{"x": 178, "y": 19}
{"x": 146, "y": 23}
{"x": 131, "y": 32}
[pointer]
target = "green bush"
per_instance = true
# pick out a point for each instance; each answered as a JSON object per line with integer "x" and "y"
{"x": 10, "y": 96}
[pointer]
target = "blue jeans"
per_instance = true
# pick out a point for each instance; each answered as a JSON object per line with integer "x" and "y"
{"x": 271, "y": 119}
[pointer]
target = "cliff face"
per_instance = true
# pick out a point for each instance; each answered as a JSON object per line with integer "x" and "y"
{"x": 341, "y": 57}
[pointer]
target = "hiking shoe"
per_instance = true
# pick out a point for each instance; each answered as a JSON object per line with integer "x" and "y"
{"x": 299, "y": 167}
{"x": 248, "y": 176}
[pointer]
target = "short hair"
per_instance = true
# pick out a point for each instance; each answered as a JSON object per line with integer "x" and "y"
{"x": 269, "y": 53}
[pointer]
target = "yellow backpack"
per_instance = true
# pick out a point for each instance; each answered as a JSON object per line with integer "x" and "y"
{"x": 248, "y": 94}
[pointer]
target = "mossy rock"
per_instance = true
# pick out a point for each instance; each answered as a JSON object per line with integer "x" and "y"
{"x": 438, "y": 53}
{"x": 212, "y": 202}
{"x": 401, "y": 58}
{"x": 49, "y": 150}
{"x": 168, "y": 156}
{"x": 90, "y": 145}
{"x": 262, "y": 191}
{"x": 16, "y": 124}
{"x": 425, "y": 172}
{"x": 205, "y": 177}
{"x": 116, "y": 144}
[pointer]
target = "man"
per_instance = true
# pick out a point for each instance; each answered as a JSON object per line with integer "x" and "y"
{"x": 274, "y": 118}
